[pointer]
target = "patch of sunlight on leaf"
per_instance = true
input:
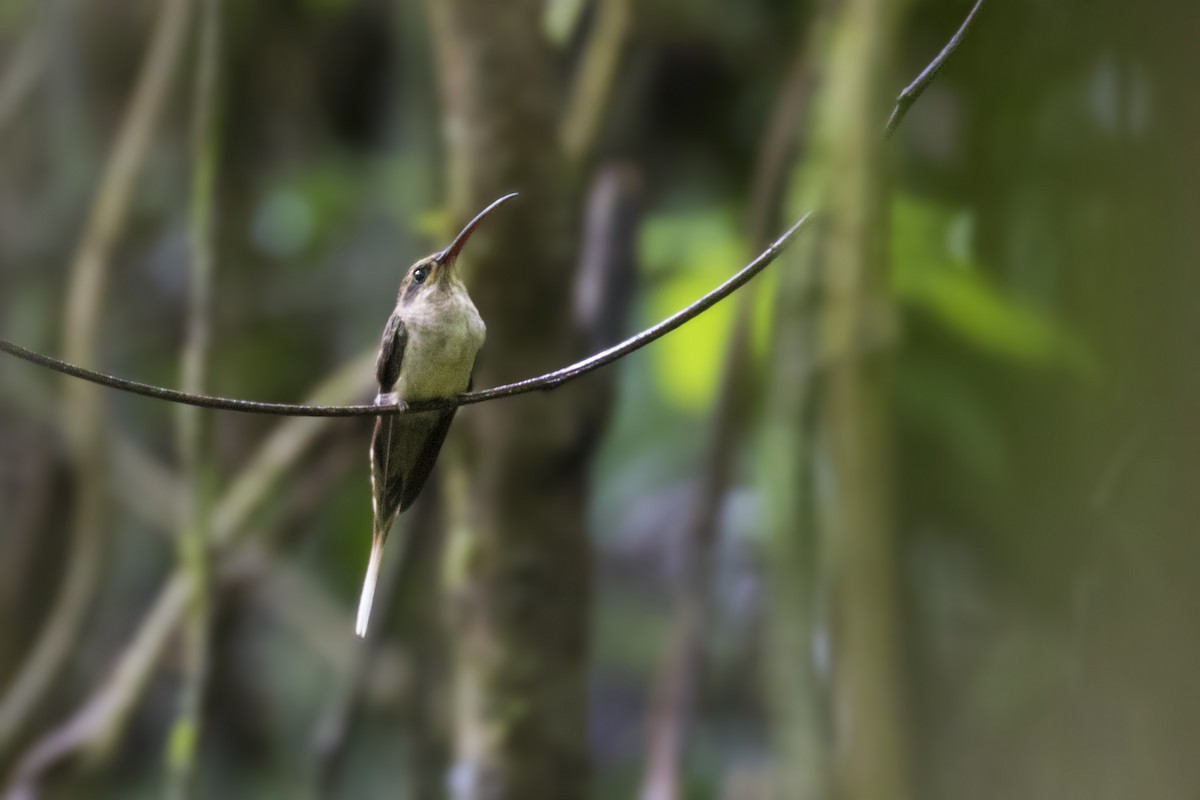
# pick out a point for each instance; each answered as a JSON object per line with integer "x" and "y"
{"x": 560, "y": 20}
{"x": 932, "y": 272}
{"x": 675, "y": 241}
{"x": 945, "y": 408}
{"x": 687, "y": 363}
{"x": 686, "y": 255}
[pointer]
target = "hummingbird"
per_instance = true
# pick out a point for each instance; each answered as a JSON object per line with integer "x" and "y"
{"x": 428, "y": 351}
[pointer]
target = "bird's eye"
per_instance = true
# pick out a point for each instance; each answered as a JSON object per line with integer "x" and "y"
{"x": 420, "y": 274}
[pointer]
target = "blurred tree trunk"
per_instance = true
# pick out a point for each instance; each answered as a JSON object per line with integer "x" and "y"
{"x": 517, "y": 567}
{"x": 827, "y": 462}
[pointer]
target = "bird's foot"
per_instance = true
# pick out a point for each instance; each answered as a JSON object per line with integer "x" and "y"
{"x": 390, "y": 399}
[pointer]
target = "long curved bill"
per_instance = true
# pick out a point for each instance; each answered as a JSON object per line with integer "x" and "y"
{"x": 451, "y": 253}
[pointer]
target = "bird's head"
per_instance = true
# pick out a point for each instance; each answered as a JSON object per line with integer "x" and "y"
{"x": 439, "y": 269}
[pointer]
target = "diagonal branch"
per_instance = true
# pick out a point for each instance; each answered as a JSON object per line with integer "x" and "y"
{"x": 915, "y": 89}
{"x": 551, "y": 380}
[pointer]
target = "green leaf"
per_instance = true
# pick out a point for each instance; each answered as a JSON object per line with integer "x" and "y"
{"x": 685, "y": 255}
{"x": 933, "y": 274}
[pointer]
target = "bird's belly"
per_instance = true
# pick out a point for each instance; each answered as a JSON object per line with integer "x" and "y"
{"x": 441, "y": 362}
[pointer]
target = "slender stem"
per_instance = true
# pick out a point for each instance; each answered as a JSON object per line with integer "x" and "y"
{"x": 550, "y": 380}
{"x": 915, "y": 89}
{"x": 194, "y": 537}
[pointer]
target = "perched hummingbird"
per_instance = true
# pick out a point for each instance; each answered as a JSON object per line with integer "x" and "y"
{"x": 428, "y": 351}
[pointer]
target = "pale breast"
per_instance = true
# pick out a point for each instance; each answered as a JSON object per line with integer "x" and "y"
{"x": 443, "y": 340}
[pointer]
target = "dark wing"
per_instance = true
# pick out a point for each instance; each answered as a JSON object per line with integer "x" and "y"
{"x": 418, "y": 473}
{"x": 387, "y": 472}
{"x": 387, "y": 478}
{"x": 391, "y": 353}
{"x": 436, "y": 426}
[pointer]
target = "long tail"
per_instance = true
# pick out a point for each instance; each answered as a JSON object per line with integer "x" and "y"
{"x": 368, "y": 589}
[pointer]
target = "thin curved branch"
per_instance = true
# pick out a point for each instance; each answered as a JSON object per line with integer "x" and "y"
{"x": 551, "y": 380}
{"x": 915, "y": 89}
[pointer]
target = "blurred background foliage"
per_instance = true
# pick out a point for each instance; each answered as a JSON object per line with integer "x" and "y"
{"x": 1042, "y": 243}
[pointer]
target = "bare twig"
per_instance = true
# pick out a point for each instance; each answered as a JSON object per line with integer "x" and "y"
{"x": 915, "y": 89}
{"x": 551, "y": 380}
{"x": 89, "y": 274}
{"x": 193, "y": 539}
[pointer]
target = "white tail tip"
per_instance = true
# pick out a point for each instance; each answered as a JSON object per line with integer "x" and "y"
{"x": 368, "y": 590}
